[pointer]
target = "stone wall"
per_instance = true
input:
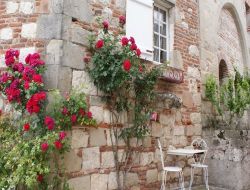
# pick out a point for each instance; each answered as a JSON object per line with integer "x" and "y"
{"x": 224, "y": 36}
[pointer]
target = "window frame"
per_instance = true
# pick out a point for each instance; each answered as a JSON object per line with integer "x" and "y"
{"x": 159, "y": 6}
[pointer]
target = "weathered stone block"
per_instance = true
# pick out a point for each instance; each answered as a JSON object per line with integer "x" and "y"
{"x": 194, "y": 130}
{"x": 91, "y": 158}
{"x": 97, "y": 113}
{"x": 72, "y": 161}
{"x": 152, "y": 176}
{"x": 99, "y": 181}
{"x": 79, "y": 9}
{"x": 64, "y": 79}
{"x": 79, "y": 35}
{"x": 6, "y": 34}
{"x": 157, "y": 130}
{"x": 178, "y": 130}
{"x": 54, "y": 52}
{"x": 167, "y": 120}
{"x": 96, "y": 101}
{"x": 27, "y": 7}
{"x": 193, "y": 51}
{"x": 29, "y": 30}
{"x": 107, "y": 160}
{"x": 79, "y": 139}
{"x": 194, "y": 72}
{"x": 146, "y": 158}
{"x": 49, "y": 26}
{"x": 51, "y": 76}
{"x": 97, "y": 137}
{"x": 80, "y": 183}
{"x": 195, "y": 118}
{"x": 121, "y": 4}
{"x": 73, "y": 56}
{"x": 112, "y": 181}
{"x": 81, "y": 79}
{"x": 147, "y": 142}
{"x": 56, "y": 6}
{"x": 177, "y": 60}
{"x": 11, "y": 7}
{"x": 132, "y": 179}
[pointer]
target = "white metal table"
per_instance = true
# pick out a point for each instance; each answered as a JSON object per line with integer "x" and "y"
{"x": 185, "y": 152}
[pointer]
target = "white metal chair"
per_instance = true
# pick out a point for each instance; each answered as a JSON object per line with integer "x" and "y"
{"x": 167, "y": 169}
{"x": 199, "y": 159}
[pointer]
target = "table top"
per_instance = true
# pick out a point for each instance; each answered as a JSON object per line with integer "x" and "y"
{"x": 185, "y": 152}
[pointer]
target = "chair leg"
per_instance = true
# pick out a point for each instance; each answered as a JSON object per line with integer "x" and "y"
{"x": 206, "y": 178}
{"x": 164, "y": 180}
{"x": 181, "y": 177}
{"x": 192, "y": 178}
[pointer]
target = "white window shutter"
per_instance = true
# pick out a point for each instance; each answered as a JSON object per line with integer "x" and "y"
{"x": 139, "y": 24}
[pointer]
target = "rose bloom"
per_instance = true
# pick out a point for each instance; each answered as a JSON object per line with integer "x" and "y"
{"x": 62, "y": 135}
{"x": 133, "y": 47}
{"x": 12, "y": 53}
{"x": 73, "y": 119}
{"x": 26, "y": 85}
{"x": 58, "y": 145}
{"x": 26, "y": 127}
{"x": 124, "y": 41}
{"x": 81, "y": 111}
{"x": 9, "y": 61}
{"x": 122, "y": 20}
{"x": 49, "y": 122}
{"x": 105, "y": 25}
{"x": 89, "y": 114}
{"x": 65, "y": 111}
{"x": 18, "y": 67}
{"x": 138, "y": 52}
{"x": 132, "y": 40}
{"x": 39, "y": 177}
{"x": 37, "y": 78}
{"x": 126, "y": 65}
{"x": 44, "y": 147}
{"x": 99, "y": 44}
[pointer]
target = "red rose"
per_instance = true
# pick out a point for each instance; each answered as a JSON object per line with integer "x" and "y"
{"x": 122, "y": 20}
{"x": 26, "y": 127}
{"x": 49, "y": 122}
{"x": 18, "y": 67}
{"x": 65, "y": 111}
{"x": 13, "y": 94}
{"x": 58, "y": 145}
{"x": 86, "y": 59}
{"x": 39, "y": 178}
{"x": 133, "y": 47}
{"x": 81, "y": 111}
{"x": 44, "y": 147}
{"x": 105, "y": 25}
{"x": 132, "y": 40}
{"x": 37, "y": 78}
{"x": 124, "y": 41}
{"x": 138, "y": 52}
{"x": 89, "y": 115}
{"x": 99, "y": 44}
{"x": 62, "y": 135}
{"x": 12, "y": 53}
{"x": 26, "y": 85}
{"x": 9, "y": 61}
{"x": 73, "y": 119}
{"x": 126, "y": 65}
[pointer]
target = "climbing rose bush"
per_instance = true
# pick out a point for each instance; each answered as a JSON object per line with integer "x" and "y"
{"x": 31, "y": 142}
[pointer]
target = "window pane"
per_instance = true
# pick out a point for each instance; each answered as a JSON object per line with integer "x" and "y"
{"x": 162, "y": 15}
{"x": 156, "y": 26}
{"x": 163, "y": 43}
{"x": 156, "y": 54}
{"x": 156, "y": 40}
{"x": 155, "y": 12}
{"x": 163, "y": 29}
{"x": 163, "y": 57}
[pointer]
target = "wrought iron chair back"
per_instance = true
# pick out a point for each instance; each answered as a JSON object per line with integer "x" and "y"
{"x": 199, "y": 144}
{"x": 161, "y": 153}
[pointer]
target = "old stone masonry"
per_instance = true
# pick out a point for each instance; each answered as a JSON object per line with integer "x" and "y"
{"x": 197, "y": 37}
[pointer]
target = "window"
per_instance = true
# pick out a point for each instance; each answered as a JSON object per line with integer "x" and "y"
{"x": 223, "y": 72}
{"x": 161, "y": 30}
{"x": 150, "y": 23}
